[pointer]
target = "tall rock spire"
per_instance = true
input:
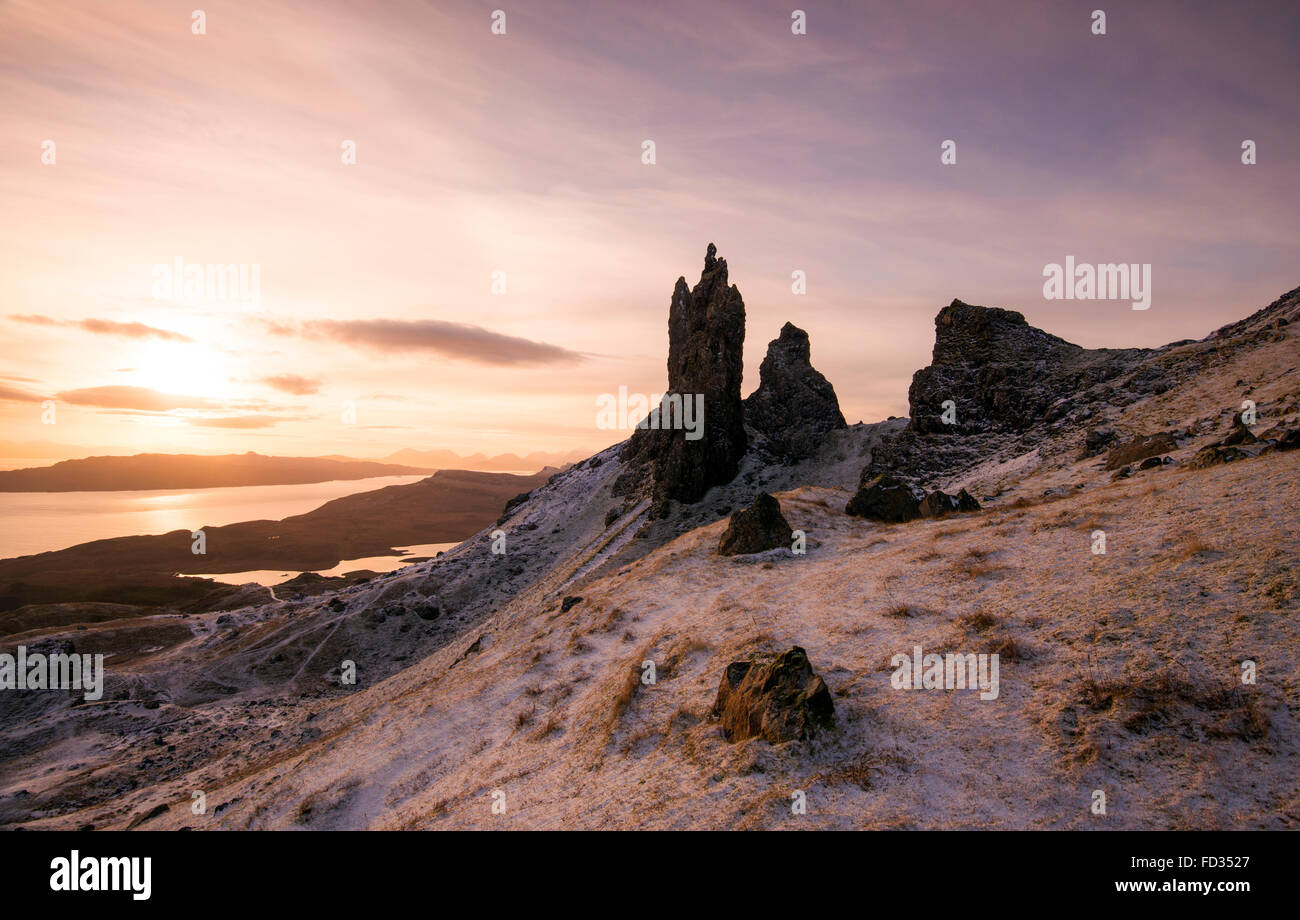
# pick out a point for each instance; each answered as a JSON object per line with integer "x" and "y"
{"x": 706, "y": 337}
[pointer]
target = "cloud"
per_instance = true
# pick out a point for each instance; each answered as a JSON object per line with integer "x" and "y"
{"x": 238, "y": 421}
{"x": 105, "y": 327}
{"x": 13, "y": 394}
{"x": 125, "y": 397}
{"x": 292, "y": 383}
{"x": 450, "y": 340}
{"x": 131, "y": 330}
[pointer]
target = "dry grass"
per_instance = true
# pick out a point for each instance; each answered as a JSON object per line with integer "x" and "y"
{"x": 973, "y": 569}
{"x": 979, "y": 621}
{"x": 1164, "y": 700}
{"x": 680, "y": 650}
{"x": 899, "y": 611}
{"x": 552, "y": 725}
{"x": 863, "y": 770}
{"x": 622, "y": 690}
{"x": 1192, "y": 544}
{"x": 1005, "y": 647}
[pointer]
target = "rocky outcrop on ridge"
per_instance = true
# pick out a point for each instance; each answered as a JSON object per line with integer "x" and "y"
{"x": 1002, "y": 374}
{"x": 998, "y": 387}
{"x": 794, "y": 405}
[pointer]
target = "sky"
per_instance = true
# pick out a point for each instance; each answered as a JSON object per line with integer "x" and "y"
{"x": 517, "y": 159}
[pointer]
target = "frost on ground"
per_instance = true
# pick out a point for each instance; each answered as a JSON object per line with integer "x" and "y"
{"x": 515, "y": 679}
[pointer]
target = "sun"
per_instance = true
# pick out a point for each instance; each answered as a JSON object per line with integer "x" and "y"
{"x": 193, "y": 369}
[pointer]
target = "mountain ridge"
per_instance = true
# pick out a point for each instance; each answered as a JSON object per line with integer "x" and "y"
{"x": 519, "y": 670}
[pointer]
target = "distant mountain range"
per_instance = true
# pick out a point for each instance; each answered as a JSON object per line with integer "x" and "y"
{"x": 198, "y": 471}
{"x": 505, "y": 463}
{"x": 191, "y": 471}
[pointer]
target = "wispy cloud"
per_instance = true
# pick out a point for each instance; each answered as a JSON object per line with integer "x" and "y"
{"x": 238, "y": 421}
{"x": 459, "y": 341}
{"x": 139, "y": 398}
{"x": 104, "y": 327}
{"x": 13, "y": 394}
{"x": 293, "y": 383}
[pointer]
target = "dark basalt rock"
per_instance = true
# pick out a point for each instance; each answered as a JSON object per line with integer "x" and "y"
{"x": 1016, "y": 387}
{"x": 1240, "y": 434}
{"x": 939, "y": 503}
{"x": 775, "y": 697}
{"x": 1235, "y": 447}
{"x": 1139, "y": 448}
{"x": 426, "y": 611}
{"x": 755, "y": 529}
{"x": 1097, "y": 439}
{"x": 1002, "y": 373}
{"x": 1287, "y": 439}
{"x": 885, "y": 498}
{"x": 794, "y": 405}
{"x": 706, "y": 337}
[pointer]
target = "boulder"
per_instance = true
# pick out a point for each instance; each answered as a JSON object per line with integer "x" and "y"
{"x": 1286, "y": 439}
{"x": 1139, "y": 447}
{"x": 426, "y": 610}
{"x": 938, "y": 503}
{"x": 1240, "y": 434}
{"x": 755, "y": 529}
{"x": 885, "y": 498}
{"x": 794, "y": 405}
{"x": 1097, "y": 439}
{"x": 775, "y": 697}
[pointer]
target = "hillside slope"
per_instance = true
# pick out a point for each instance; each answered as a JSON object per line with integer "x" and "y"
{"x": 1120, "y": 671}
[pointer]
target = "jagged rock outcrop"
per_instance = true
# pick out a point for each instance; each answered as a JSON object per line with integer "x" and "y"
{"x": 997, "y": 386}
{"x": 892, "y": 500}
{"x": 886, "y": 498}
{"x": 1242, "y": 444}
{"x": 755, "y": 529}
{"x": 794, "y": 405}
{"x": 1001, "y": 373}
{"x": 1014, "y": 387}
{"x": 939, "y": 503}
{"x": 1140, "y": 447}
{"x": 774, "y": 697}
{"x": 706, "y": 337}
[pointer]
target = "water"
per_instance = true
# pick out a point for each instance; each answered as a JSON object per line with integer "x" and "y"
{"x": 37, "y": 522}
{"x": 380, "y": 564}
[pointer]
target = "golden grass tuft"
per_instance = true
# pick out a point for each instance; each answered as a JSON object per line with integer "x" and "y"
{"x": 978, "y": 620}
